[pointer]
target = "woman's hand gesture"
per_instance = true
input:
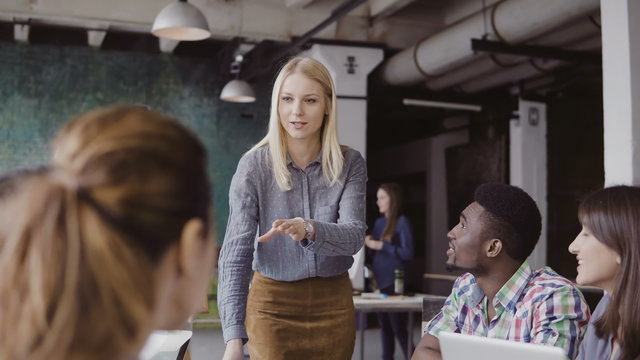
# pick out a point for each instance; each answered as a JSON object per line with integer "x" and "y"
{"x": 292, "y": 227}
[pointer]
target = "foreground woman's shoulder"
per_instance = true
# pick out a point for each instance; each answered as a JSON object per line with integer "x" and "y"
{"x": 256, "y": 156}
{"x": 349, "y": 153}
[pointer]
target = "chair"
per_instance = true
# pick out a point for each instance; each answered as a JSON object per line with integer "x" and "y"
{"x": 431, "y": 305}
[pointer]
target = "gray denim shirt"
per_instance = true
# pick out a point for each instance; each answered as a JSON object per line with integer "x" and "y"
{"x": 255, "y": 201}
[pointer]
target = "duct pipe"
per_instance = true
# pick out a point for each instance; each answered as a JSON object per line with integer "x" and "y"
{"x": 525, "y": 70}
{"x": 483, "y": 63}
{"x": 512, "y": 21}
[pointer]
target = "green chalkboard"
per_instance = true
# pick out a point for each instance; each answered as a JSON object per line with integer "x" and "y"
{"x": 42, "y": 86}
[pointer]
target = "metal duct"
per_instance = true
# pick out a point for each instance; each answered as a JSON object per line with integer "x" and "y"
{"x": 482, "y": 63}
{"x": 528, "y": 69}
{"x": 511, "y": 21}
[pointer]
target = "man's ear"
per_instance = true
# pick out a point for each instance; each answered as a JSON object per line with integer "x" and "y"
{"x": 190, "y": 245}
{"x": 494, "y": 247}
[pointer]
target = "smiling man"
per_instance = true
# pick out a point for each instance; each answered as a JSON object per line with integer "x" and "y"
{"x": 500, "y": 296}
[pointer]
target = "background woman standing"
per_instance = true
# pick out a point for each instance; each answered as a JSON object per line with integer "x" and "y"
{"x": 608, "y": 254}
{"x": 305, "y": 194}
{"x": 392, "y": 243}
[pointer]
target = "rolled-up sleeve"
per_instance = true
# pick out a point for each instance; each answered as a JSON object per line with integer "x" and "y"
{"x": 237, "y": 251}
{"x": 345, "y": 237}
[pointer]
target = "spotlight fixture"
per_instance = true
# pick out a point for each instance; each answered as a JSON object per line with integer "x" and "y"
{"x": 181, "y": 21}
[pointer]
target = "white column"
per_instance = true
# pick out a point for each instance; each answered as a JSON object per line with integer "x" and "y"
{"x": 436, "y": 202}
{"x": 621, "y": 90}
{"x": 528, "y": 164}
{"x": 350, "y": 67}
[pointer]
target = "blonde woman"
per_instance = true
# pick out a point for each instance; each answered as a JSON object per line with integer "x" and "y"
{"x": 296, "y": 218}
{"x": 111, "y": 242}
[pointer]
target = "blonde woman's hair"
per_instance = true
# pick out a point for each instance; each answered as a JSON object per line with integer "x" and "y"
{"x": 78, "y": 260}
{"x": 332, "y": 158}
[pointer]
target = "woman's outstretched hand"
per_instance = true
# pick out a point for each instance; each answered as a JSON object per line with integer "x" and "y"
{"x": 292, "y": 227}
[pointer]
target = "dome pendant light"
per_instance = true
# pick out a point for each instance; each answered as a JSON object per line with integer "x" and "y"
{"x": 237, "y": 90}
{"x": 181, "y": 21}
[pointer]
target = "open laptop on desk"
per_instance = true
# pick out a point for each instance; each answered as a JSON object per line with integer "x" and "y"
{"x": 463, "y": 347}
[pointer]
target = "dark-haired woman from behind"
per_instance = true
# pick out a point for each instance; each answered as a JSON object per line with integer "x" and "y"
{"x": 392, "y": 243}
{"x": 608, "y": 254}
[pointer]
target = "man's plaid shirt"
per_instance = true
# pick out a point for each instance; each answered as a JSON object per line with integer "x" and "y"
{"x": 539, "y": 307}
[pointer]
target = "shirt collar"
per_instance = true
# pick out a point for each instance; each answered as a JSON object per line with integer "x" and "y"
{"x": 509, "y": 293}
{"x": 317, "y": 160}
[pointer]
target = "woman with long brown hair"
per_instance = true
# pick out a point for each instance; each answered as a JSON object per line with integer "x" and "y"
{"x": 608, "y": 254}
{"x": 110, "y": 243}
{"x": 392, "y": 243}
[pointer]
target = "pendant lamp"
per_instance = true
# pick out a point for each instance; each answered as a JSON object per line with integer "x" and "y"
{"x": 181, "y": 21}
{"x": 237, "y": 90}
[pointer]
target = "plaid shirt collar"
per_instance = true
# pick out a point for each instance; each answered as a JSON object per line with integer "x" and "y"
{"x": 509, "y": 293}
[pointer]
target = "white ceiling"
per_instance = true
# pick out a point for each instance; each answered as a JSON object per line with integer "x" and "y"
{"x": 397, "y": 24}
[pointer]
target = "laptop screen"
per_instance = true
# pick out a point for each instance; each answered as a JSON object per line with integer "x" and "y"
{"x": 464, "y": 347}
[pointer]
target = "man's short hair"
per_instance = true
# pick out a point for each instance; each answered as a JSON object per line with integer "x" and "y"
{"x": 511, "y": 216}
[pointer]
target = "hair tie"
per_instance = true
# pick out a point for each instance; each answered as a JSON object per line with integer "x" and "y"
{"x": 65, "y": 178}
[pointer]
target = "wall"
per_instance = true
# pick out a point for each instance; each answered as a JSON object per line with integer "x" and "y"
{"x": 42, "y": 86}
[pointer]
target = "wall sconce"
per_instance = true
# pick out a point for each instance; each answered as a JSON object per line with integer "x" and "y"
{"x": 181, "y": 21}
{"x": 237, "y": 90}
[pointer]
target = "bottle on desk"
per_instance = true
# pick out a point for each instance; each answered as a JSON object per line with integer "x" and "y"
{"x": 398, "y": 285}
{"x": 370, "y": 284}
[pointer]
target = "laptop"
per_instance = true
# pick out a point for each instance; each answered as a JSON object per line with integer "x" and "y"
{"x": 455, "y": 346}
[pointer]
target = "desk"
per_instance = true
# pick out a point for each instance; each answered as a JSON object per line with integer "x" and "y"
{"x": 391, "y": 304}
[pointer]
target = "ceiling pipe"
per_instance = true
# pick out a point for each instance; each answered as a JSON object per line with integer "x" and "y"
{"x": 483, "y": 64}
{"x": 525, "y": 70}
{"x": 511, "y": 21}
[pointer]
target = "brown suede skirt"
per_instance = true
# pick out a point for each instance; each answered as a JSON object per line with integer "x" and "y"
{"x": 307, "y": 319}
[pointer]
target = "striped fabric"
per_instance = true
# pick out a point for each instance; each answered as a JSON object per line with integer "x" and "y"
{"x": 539, "y": 307}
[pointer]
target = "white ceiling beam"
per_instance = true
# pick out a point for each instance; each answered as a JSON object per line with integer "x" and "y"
{"x": 297, "y": 4}
{"x": 384, "y": 8}
{"x": 249, "y": 19}
{"x": 96, "y": 33}
{"x": 21, "y": 33}
{"x": 96, "y": 37}
{"x": 257, "y": 20}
